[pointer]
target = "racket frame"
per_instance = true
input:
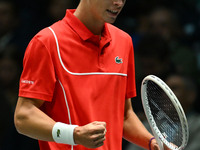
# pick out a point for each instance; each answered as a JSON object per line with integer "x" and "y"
{"x": 156, "y": 132}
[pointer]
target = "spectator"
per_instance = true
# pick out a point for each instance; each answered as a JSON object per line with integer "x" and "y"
{"x": 152, "y": 57}
{"x": 165, "y": 22}
{"x": 186, "y": 91}
{"x": 9, "y": 21}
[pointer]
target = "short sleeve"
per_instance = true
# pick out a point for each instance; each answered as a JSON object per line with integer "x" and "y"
{"x": 131, "y": 85}
{"x": 38, "y": 76}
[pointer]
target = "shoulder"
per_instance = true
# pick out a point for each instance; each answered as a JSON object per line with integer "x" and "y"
{"x": 41, "y": 44}
{"x": 44, "y": 35}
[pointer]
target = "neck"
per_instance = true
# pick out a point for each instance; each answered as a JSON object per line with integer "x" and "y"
{"x": 93, "y": 24}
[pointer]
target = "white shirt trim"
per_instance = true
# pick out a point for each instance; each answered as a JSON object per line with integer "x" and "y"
{"x": 80, "y": 74}
{"x": 67, "y": 105}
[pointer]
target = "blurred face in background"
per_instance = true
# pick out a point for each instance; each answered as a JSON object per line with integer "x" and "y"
{"x": 8, "y": 20}
{"x": 163, "y": 22}
{"x": 57, "y": 8}
{"x": 185, "y": 94}
{"x": 160, "y": 23}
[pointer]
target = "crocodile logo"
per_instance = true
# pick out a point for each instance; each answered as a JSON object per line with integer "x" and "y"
{"x": 58, "y": 133}
{"x": 118, "y": 60}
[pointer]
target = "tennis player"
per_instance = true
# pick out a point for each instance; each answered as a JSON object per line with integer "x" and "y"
{"x": 77, "y": 83}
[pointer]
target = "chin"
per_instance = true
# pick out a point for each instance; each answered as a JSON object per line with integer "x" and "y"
{"x": 111, "y": 21}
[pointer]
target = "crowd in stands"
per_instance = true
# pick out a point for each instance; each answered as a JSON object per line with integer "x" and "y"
{"x": 166, "y": 37}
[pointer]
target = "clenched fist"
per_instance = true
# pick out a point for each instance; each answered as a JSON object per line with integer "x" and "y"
{"x": 91, "y": 135}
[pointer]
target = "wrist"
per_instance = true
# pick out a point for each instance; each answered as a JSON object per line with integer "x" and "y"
{"x": 63, "y": 133}
{"x": 76, "y": 135}
{"x": 150, "y": 143}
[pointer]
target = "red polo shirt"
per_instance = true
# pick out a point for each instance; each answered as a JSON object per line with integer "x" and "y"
{"x": 81, "y": 78}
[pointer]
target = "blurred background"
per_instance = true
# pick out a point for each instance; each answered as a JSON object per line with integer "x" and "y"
{"x": 166, "y": 37}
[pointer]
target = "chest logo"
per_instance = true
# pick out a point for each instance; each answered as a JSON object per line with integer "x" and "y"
{"x": 118, "y": 60}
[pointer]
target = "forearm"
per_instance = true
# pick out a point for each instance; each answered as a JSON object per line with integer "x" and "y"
{"x": 134, "y": 131}
{"x": 32, "y": 122}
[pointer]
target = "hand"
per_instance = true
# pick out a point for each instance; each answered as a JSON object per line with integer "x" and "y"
{"x": 154, "y": 146}
{"x": 91, "y": 135}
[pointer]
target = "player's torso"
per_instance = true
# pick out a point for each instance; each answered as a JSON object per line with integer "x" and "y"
{"x": 91, "y": 81}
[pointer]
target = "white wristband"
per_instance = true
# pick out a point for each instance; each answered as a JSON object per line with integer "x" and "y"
{"x": 63, "y": 133}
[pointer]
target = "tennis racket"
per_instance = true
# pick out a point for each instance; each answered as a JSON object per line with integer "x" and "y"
{"x": 164, "y": 114}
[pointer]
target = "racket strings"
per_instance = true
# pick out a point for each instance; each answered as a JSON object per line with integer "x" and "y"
{"x": 164, "y": 114}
